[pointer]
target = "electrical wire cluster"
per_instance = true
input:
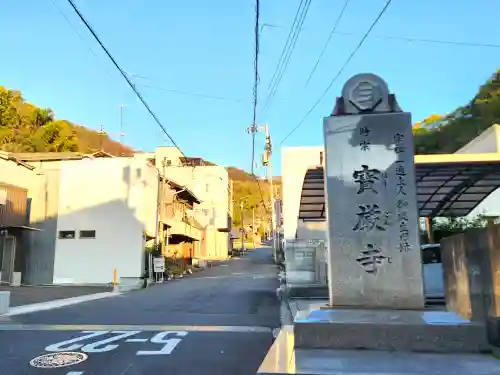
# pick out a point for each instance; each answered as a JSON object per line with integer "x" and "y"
{"x": 286, "y": 53}
{"x": 342, "y": 68}
{"x": 124, "y": 75}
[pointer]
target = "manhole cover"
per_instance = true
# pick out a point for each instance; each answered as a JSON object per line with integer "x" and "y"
{"x": 60, "y": 359}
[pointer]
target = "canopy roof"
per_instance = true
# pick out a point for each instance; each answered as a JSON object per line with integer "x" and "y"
{"x": 447, "y": 185}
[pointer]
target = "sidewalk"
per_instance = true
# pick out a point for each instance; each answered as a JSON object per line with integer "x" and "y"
{"x": 28, "y": 299}
{"x": 27, "y": 295}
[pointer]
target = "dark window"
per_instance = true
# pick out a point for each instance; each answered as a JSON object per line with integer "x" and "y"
{"x": 66, "y": 234}
{"x": 431, "y": 255}
{"x": 87, "y": 234}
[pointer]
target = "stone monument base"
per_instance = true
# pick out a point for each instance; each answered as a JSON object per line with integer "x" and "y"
{"x": 393, "y": 330}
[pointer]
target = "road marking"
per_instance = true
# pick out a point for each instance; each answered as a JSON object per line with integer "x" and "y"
{"x": 169, "y": 344}
{"x": 75, "y": 373}
{"x": 125, "y": 327}
{"x": 168, "y": 339}
{"x": 27, "y": 309}
{"x": 97, "y": 347}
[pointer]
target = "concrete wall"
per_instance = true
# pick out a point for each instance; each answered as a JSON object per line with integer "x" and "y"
{"x": 312, "y": 230}
{"x": 44, "y": 211}
{"x": 116, "y": 197}
{"x": 295, "y": 162}
{"x": 42, "y": 183}
{"x": 486, "y": 142}
{"x": 13, "y": 174}
{"x": 471, "y": 264}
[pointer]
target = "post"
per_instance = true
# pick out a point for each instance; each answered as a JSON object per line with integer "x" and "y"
{"x": 271, "y": 187}
{"x": 121, "y": 126}
{"x": 242, "y": 228}
{"x": 253, "y": 226}
{"x": 429, "y": 230}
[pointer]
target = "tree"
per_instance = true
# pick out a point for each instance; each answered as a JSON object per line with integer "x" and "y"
{"x": 438, "y": 134}
{"x": 26, "y": 128}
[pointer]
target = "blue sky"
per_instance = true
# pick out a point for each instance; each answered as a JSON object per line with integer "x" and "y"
{"x": 206, "y": 47}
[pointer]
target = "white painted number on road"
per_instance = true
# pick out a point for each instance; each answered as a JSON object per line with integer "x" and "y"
{"x": 169, "y": 344}
{"x": 60, "y": 346}
{"x": 95, "y": 347}
{"x": 169, "y": 340}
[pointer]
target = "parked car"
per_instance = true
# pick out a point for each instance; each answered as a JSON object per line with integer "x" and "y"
{"x": 433, "y": 271}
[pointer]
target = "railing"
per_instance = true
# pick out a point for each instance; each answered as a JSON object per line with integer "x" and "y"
{"x": 305, "y": 262}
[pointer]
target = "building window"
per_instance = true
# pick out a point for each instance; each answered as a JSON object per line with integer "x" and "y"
{"x": 87, "y": 234}
{"x": 66, "y": 234}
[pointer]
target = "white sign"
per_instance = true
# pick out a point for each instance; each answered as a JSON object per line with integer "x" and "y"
{"x": 169, "y": 340}
{"x": 159, "y": 265}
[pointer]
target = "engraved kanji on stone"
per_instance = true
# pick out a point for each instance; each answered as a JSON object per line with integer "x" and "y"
{"x": 404, "y": 246}
{"x": 399, "y": 143}
{"x": 370, "y": 217}
{"x": 400, "y": 203}
{"x": 365, "y": 145}
{"x": 366, "y": 179}
{"x": 400, "y": 174}
{"x": 364, "y": 131}
{"x": 371, "y": 259}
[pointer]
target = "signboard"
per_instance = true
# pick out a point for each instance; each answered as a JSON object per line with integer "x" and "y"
{"x": 159, "y": 265}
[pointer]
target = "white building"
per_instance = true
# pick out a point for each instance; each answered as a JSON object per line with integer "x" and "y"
{"x": 295, "y": 163}
{"x": 211, "y": 186}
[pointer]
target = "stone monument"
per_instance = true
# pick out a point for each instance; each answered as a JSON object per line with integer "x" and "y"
{"x": 375, "y": 258}
{"x": 375, "y": 269}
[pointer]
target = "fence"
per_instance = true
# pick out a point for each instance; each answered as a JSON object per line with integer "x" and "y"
{"x": 305, "y": 262}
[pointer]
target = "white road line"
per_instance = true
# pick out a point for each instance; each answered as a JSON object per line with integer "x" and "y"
{"x": 125, "y": 327}
{"x": 136, "y": 340}
{"x": 26, "y": 309}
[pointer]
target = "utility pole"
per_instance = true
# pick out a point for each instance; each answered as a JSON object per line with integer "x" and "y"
{"x": 267, "y": 162}
{"x": 253, "y": 226}
{"x": 102, "y": 133}
{"x": 122, "y": 134}
{"x": 242, "y": 228}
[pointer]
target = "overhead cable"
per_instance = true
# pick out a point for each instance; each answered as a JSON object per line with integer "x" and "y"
{"x": 122, "y": 72}
{"x": 340, "y": 70}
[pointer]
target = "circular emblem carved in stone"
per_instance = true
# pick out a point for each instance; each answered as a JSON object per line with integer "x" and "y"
{"x": 366, "y": 95}
{"x": 60, "y": 359}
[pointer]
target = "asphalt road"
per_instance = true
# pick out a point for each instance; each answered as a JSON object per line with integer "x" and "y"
{"x": 218, "y": 321}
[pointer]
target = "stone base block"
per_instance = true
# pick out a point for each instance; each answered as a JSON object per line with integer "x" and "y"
{"x": 393, "y": 330}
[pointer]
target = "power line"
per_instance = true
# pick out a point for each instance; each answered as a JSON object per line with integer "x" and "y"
{"x": 340, "y": 70}
{"x": 79, "y": 35}
{"x": 335, "y": 25}
{"x": 414, "y": 39}
{"x": 132, "y": 86}
{"x": 256, "y": 79}
{"x": 254, "y": 127}
{"x": 287, "y": 51}
{"x": 205, "y": 96}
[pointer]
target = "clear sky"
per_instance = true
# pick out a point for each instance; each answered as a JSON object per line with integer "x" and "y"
{"x": 206, "y": 47}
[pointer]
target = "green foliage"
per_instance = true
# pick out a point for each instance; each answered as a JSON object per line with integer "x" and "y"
{"x": 446, "y": 134}
{"x": 246, "y": 190}
{"x": 27, "y": 128}
{"x": 460, "y": 224}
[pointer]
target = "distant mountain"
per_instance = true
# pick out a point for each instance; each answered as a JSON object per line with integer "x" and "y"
{"x": 24, "y": 127}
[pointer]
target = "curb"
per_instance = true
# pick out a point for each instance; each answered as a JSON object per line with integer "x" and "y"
{"x": 42, "y": 306}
